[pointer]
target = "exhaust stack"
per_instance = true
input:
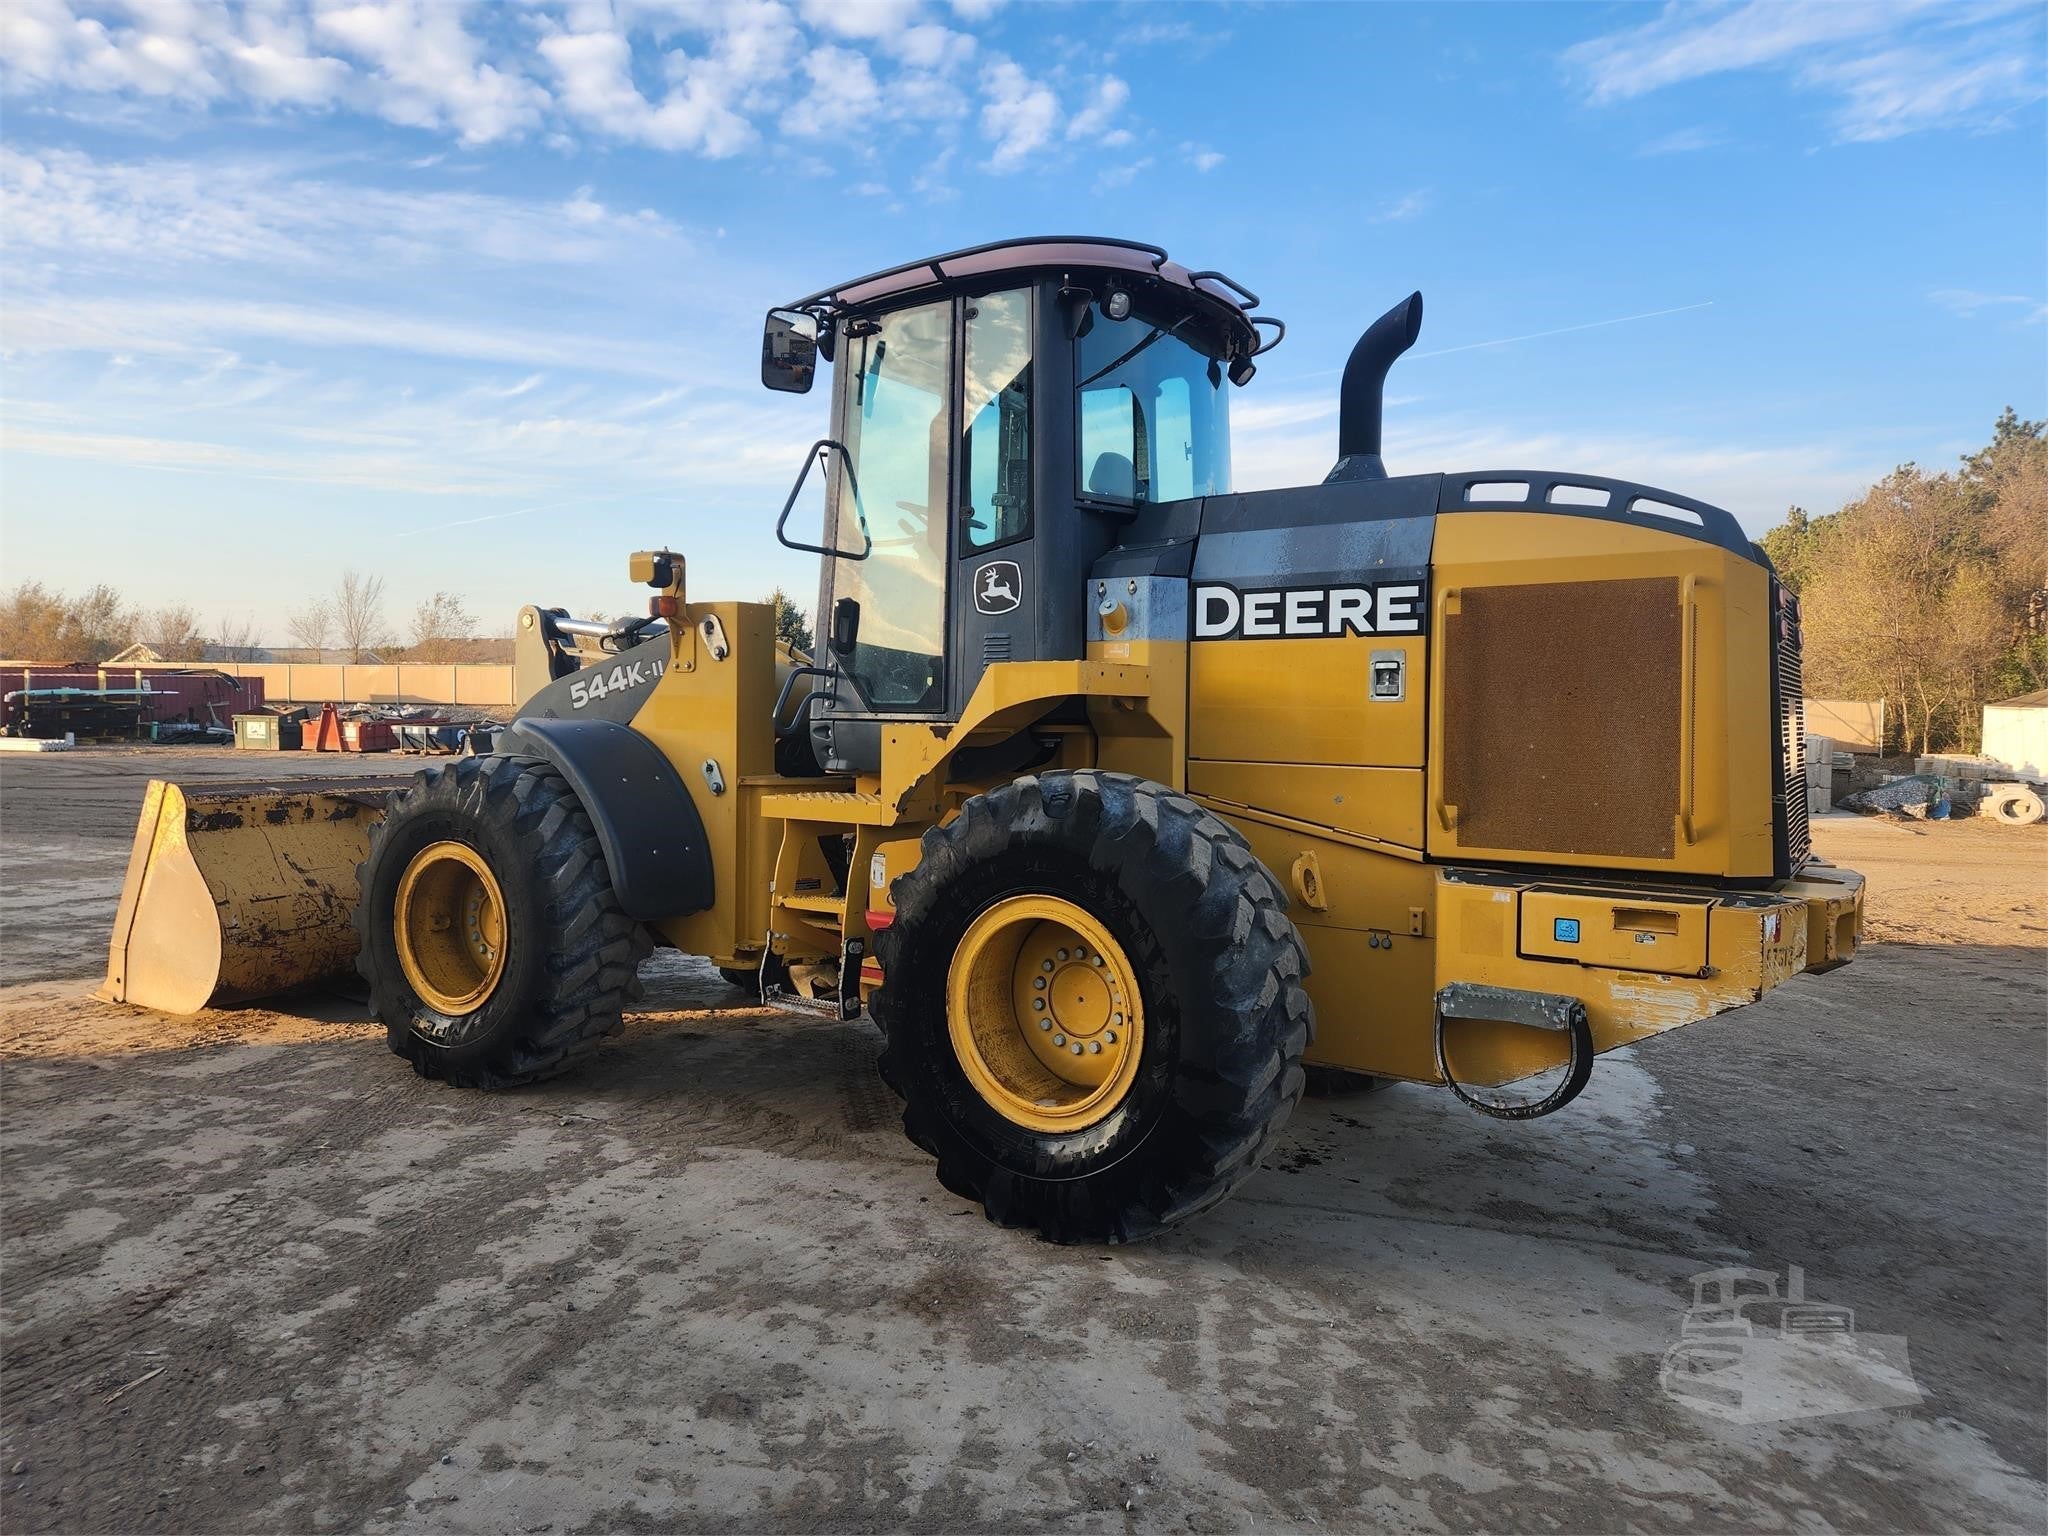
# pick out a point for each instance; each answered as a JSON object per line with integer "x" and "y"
{"x": 1364, "y": 390}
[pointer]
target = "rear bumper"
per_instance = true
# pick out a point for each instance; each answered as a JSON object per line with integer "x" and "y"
{"x": 1834, "y": 913}
{"x": 1641, "y": 960}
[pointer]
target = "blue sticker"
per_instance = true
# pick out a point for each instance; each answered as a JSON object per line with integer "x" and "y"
{"x": 1565, "y": 930}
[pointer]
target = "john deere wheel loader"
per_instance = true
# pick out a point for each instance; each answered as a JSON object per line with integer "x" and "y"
{"x": 1115, "y": 796}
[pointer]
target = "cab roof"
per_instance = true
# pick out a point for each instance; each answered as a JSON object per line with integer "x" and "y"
{"x": 1225, "y": 300}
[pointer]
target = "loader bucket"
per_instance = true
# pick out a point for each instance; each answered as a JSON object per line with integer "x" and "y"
{"x": 237, "y": 891}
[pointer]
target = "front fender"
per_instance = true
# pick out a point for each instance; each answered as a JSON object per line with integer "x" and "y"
{"x": 648, "y": 827}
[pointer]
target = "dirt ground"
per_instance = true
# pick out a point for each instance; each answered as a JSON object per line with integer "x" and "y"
{"x": 256, "y": 1276}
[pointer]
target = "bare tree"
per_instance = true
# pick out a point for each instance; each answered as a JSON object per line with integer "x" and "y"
{"x": 173, "y": 632}
{"x": 236, "y": 638}
{"x": 441, "y": 629}
{"x": 312, "y": 627}
{"x": 98, "y": 624}
{"x": 359, "y": 614}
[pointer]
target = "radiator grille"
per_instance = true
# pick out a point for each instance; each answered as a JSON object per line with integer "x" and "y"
{"x": 1561, "y": 717}
{"x": 1795, "y": 837}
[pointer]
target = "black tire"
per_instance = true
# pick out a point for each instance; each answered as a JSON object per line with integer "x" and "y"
{"x": 572, "y": 955}
{"x": 1219, "y": 968}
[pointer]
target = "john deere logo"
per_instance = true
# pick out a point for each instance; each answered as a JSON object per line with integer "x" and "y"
{"x": 996, "y": 586}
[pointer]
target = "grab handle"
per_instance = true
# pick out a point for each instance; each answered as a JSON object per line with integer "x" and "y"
{"x": 818, "y": 452}
{"x": 1688, "y": 728}
{"x": 1446, "y": 813}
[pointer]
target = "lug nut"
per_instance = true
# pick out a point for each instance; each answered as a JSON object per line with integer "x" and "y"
{"x": 1076, "y": 1047}
{"x": 1116, "y": 1018}
{"x": 1038, "y": 982}
{"x": 1045, "y": 1023}
{"x": 1098, "y": 959}
{"x": 1094, "y": 1047}
{"x": 1047, "y": 966}
{"x": 1110, "y": 1036}
{"x": 1059, "y": 1039}
{"x": 1038, "y": 1004}
{"x": 1063, "y": 954}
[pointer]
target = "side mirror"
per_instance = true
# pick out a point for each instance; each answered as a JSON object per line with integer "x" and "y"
{"x": 789, "y": 352}
{"x": 845, "y": 626}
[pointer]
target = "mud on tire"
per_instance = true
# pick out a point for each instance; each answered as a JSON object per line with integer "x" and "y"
{"x": 572, "y": 955}
{"x": 1220, "y": 970}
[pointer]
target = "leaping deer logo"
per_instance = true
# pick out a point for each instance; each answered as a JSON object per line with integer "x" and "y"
{"x": 995, "y": 589}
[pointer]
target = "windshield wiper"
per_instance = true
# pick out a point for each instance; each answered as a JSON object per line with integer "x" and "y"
{"x": 1156, "y": 334}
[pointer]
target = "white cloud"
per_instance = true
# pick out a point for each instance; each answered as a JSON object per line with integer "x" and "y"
{"x": 1684, "y": 141}
{"x": 1905, "y": 90}
{"x": 931, "y": 182}
{"x": 1965, "y": 303}
{"x": 861, "y": 18}
{"x": 553, "y": 70}
{"x": 185, "y": 328}
{"x": 932, "y": 47}
{"x": 272, "y": 73}
{"x": 1202, "y": 157}
{"x": 428, "y": 71}
{"x": 843, "y": 94}
{"x": 1401, "y": 209}
{"x": 751, "y": 45}
{"x": 1292, "y": 440}
{"x": 977, "y": 10}
{"x": 1687, "y": 42}
{"x": 139, "y": 215}
{"x": 1104, "y": 102}
{"x": 488, "y": 72}
{"x": 162, "y": 52}
{"x": 1019, "y": 115}
{"x": 1894, "y": 68}
{"x": 1122, "y": 175}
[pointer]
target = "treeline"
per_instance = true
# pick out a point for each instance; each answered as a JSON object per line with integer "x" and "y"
{"x": 39, "y": 623}
{"x": 1930, "y": 591}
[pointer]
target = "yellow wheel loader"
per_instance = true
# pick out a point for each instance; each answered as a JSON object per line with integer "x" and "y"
{"x": 1114, "y": 796}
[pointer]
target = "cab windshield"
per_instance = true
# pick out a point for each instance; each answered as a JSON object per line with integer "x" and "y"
{"x": 1154, "y": 413}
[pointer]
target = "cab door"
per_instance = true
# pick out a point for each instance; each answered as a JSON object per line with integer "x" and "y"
{"x": 997, "y": 603}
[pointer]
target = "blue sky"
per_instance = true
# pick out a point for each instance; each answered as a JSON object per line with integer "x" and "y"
{"x": 471, "y": 294}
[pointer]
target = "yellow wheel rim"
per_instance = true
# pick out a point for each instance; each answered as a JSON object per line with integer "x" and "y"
{"x": 1043, "y": 1009}
{"x": 451, "y": 927}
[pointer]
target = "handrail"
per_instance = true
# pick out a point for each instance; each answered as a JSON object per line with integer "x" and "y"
{"x": 782, "y": 699}
{"x": 1446, "y": 813}
{"x": 1688, "y": 727}
{"x": 935, "y": 263}
{"x": 820, "y": 450}
{"x": 1251, "y": 300}
{"x": 1279, "y": 332}
{"x": 1625, "y": 503}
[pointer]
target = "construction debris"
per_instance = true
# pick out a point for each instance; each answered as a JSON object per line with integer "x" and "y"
{"x": 1920, "y": 796}
{"x": 2016, "y": 805}
{"x": 1971, "y": 768}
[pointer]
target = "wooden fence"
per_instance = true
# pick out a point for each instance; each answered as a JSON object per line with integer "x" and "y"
{"x": 1857, "y": 724}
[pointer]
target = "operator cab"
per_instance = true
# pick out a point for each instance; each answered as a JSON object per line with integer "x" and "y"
{"x": 999, "y": 414}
